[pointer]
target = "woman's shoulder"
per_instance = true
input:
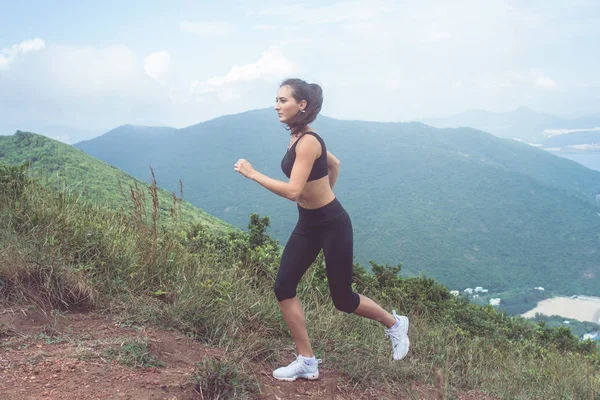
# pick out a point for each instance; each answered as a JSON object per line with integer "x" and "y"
{"x": 314, "y": 141}
{"x": 315, "y": 135}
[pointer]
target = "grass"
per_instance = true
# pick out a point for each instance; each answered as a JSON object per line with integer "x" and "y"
{"x": 223, "y": 379}
{"x": 6, "y": 332}
{"x": 64, "y": 252}
{"x": 132, "y": 353}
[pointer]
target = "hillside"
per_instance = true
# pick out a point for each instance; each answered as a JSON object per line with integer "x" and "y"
{"x": 459, "y": 205}
{"x": 58, "y": 164}
{"x": 93, "y": 304}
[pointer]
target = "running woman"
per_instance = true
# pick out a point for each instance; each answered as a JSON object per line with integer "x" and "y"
{"x": 322, "y": 224}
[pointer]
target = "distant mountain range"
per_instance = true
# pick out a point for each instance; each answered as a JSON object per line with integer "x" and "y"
{"x": 575, "y": 141}
{"x": 522, "y": 124}
{"x": 460, "y": 205}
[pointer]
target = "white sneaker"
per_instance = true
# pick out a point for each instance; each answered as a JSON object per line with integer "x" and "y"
{"x": 298, "y": 369}
{"x": 399, "y": 337}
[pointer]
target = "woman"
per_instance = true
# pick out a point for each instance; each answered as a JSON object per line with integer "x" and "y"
{"x": 322, "y": 224}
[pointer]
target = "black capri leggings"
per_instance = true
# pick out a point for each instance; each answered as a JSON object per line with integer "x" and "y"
{"x": 328, "y": 228}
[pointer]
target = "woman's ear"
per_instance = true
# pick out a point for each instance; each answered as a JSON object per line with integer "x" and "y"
{"x": 302, "y": 105}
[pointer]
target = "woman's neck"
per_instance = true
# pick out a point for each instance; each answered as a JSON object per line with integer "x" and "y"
{"x": 301, "y": 132}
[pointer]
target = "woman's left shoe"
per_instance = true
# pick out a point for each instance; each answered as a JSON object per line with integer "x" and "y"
{"x": 298, "y": 369}
{"x": 399, "y": 337}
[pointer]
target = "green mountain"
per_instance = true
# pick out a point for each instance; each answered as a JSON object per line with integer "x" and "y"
{"x": 57, "y": 163}
{"x": 459, "y": 205}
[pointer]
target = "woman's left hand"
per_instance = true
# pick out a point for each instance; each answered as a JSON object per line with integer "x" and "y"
{"x": 244, "y": 168}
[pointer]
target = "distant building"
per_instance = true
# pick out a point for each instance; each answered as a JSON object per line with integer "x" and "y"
{"x": 454, "y": 293}
{"x": 478, "y": 289}
{"x": 541, "y": 289}
{"x": 495, "y": 302}
{"x": 468, "y": 291}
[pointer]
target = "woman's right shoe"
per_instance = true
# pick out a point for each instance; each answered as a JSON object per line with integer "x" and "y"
{"x": 298, "y": 369}
{"x": 399, "y": 337}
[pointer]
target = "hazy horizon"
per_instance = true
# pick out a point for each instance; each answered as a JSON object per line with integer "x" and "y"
{"x": 100, "y": 66}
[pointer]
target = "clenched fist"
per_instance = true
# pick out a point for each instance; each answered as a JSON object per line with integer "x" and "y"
{"x": 244, "y": 167}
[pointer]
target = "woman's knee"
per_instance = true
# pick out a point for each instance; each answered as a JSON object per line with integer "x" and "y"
{"x": 283, "y": 291}
{"x": 347, "y": 302}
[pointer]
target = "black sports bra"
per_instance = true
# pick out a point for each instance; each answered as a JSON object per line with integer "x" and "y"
{"x": 319, "y": 168}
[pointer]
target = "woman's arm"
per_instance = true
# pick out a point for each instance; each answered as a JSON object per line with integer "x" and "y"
{"x": 333, "y": 168}
{"x": 306, "y": 154}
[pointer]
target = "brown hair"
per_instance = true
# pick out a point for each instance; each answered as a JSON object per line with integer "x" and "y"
{"x": 313, "y": 94}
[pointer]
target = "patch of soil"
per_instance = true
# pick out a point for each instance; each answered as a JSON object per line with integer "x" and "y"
{"x": 45, "y": 357}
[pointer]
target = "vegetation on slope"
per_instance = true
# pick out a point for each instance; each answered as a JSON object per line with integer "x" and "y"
{"x": 55, "y": 163}
{"x": 62, "y": 251}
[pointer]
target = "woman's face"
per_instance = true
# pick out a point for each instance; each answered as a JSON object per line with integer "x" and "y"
{"x": 286, "y": 106}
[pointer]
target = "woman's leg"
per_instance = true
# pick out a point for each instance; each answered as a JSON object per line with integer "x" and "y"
{"x": 369, "y": 309}
{"x": 293, "y": 314}
{"x": 337, "y": 243}
{"x": 337, "y": 246}
{"x": 299, "y": 253}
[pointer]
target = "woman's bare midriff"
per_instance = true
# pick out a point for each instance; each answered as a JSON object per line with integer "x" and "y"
{"x": 316, "y": 194}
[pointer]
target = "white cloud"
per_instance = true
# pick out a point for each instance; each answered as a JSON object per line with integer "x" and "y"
{"x": 434, "y": 36}
{"x": 296, "y": 41}
{"x": 263, "y": 27}
{"x": 553, "y": 132}
{"x": 271, "y": 65}
{"x": 7, "y": 56}
{"x": 89, "y": 70}
{"x": 535, "y": 77}
{"x": 207, "y": 28}
{"x": 541, "y": 80}
{"x": 584, "y": 147}
{"x": 342, "y": 11}
{"x": 81, "y": 86}
{"x": 228, "y": 95}
{"x": 157, "y": 64}
{"x": 393, "y": 84}
{"x": 29, "y": 45}
{"x": 442, "y": 60}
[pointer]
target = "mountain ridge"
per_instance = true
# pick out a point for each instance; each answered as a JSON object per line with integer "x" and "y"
{"x": 52, "y": 160}
{"x": 523, "y": 123}
{"x": 430, "y": 198}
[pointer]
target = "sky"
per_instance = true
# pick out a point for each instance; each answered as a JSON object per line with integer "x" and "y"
{"x": 92, "y": 66}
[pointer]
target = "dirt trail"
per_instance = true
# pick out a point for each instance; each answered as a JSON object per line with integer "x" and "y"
{"x": 45, "y": 357}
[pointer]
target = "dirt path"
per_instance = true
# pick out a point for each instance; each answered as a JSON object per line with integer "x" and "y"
{"x": 90, "y": 356}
